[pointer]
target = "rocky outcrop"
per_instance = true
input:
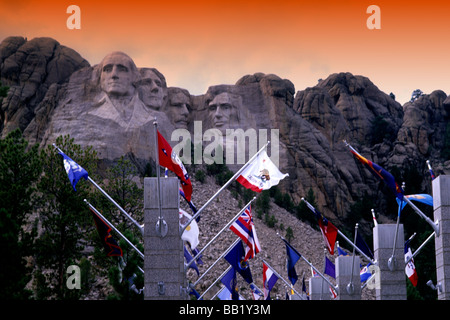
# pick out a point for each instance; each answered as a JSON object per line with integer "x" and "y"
{"x": 29, "y": 68}
{"x": 53, "y": 92}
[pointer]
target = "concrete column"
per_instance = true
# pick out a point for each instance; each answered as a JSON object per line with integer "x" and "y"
{"x": 344, "y": 275}
{"x": 392, "y": 283}
{"x": 441, "y": 204}
{"x": 164, "y": 257}
{"x": 319, "y": 289}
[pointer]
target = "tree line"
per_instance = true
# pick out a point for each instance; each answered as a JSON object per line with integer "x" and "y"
{"x": 45, "y": 226}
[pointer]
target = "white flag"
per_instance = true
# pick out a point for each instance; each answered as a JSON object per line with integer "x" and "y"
{"x": 261, "y": 174}
{"x": 191, "y": 233}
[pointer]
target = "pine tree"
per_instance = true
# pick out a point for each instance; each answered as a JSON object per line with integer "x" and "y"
{"x": 123, "y": 188}
{"x": 64, "y": 217}
{"x": 19, "y": 171}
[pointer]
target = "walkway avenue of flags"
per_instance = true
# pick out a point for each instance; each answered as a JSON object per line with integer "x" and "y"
{"x": 258, "y": 174}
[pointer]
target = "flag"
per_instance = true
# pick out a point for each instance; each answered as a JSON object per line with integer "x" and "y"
{"x": 169, "y": 159}
{"x": 195, "y": 252}
{"x": 362, "y": 245}
{"x": 329, "y": 268}
{"x": 269, "y": 280}
{"x": 292, "y": 257}
{"x": 423, "y": 198}
{"x": 410, "y": 269}
{"x": 194, "y": 293}
{"x": 341, "y": 252}
{"x": 244, "y": 228}
{"x": 224, "y": 294}
{"x": 74, "y": 171}
{"x": 304, "y": 287}
{"x": 255, "y": 292}
{"x": 230, "y": 282}
{"x": 188, "y": 258}
{"x": 236, "y": 259}
{"x": 260, "y": 174}
{"x": 329, "y": 231}
{"x": 190, "y": 234}
{"x": 380, "y": 173}
{"x": 365, "y": 273}
{"x": 191, "y": 204}
{"x": 109, "y": 243}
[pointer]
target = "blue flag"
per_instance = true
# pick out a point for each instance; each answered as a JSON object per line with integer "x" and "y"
{"x": 188, "y": 258}
{"x": 329, "y": 268}
{"x": 74, "y": 171}
{"x": 362, "y": 245}
{"x": 236, "y": 259}
{"x": 292, "y": 257}
{"x": 230, "y": 282}
{"x": 423, "y": 198}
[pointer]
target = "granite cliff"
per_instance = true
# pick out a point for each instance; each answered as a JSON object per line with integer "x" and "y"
{"x": 54, "y": 91}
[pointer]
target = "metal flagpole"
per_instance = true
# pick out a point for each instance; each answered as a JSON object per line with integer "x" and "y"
{"x": 350, "y": 288}
{"x": 217, "y": 235}
{"x": 234, "y": 177}
{"x": 282, "y": 279}
{"x": 109, "y": 198}
{"x": 214, "y": 283}
{"x": 391, "y": 261}
{"x": 161, "y": 225}
{"x": 375, "y": 223}
{"x": 343, "y": 236}
{"x": 311, "y": 265}
{"x": 434, "y": 225}
{"x": 217, "y": 261}
{"x": 420, "y": 247}
{"x": 114, "y": 228}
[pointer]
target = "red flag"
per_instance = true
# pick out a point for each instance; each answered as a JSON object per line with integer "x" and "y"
{"x": 329, "y": 233}
{"x": 170, "y": 160}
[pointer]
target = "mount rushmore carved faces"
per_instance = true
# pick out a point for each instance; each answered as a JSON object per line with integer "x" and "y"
{"x": 152, "y": 88}
{"x": 223, "y": 111}
{"x": 118, "y": 72}
{"x": 179, "y": 107}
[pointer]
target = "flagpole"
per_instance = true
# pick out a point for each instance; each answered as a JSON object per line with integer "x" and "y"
{"x": 109, "y": 198}
{"x": 217, "y": 261}
{"x": 392, "y": 260}
{"x": 375, "y": 223}
{"x": 350, "y": 288}
{"x": 114, "y": 228}
{"x": 343, "y": 236}
{"x": 311, "y": 265}
{"x": 224, "y": 186}
{"x": 282, "y": 279}
{"x": 214, "y": 283}
{"x": 420, "y": 247}
{"x": 434, "y": 225}
{"x": 217, "y": 235}
{"x": 161, "y": 225}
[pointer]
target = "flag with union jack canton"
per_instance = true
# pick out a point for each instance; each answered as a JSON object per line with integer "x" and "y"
{"x": 244, "y": 228}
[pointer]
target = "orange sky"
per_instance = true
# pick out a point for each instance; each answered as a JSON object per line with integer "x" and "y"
{"x": 200, "y": 43}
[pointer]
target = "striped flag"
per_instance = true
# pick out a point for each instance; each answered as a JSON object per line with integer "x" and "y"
{"x": 269, "y": 280}
{"x": 244, "y": 228}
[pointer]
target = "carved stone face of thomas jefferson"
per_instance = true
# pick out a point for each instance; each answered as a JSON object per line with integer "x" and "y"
{"x": 118, "y": 72}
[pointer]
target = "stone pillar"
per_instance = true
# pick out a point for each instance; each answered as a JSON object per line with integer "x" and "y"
{"x": 441, "y": 204}
{"x": 392, "y": 283}
{"x": 319, "y": 289}
{"x": 343, "y": 276}
{"x": 164, "y": 257}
